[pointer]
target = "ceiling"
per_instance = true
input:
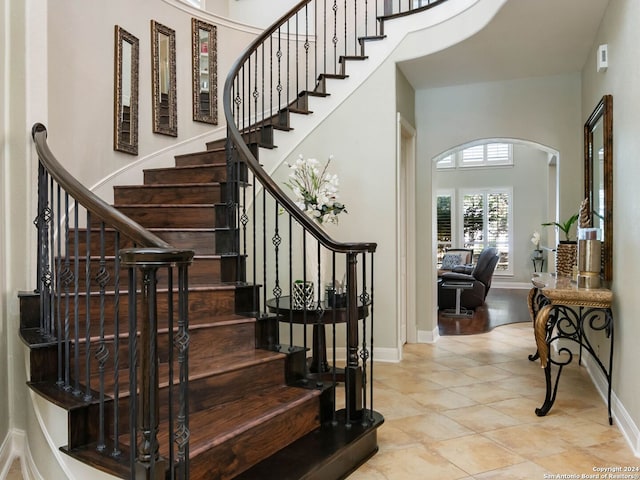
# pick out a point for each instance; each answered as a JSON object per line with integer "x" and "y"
{"x": 527, "y": 38}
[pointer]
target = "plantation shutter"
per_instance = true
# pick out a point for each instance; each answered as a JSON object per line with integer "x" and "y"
{"x": 444, "y": 221}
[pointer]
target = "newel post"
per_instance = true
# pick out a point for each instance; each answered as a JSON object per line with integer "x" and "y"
{"x": 353, "y": 374}
{"x": 144, "y": 359}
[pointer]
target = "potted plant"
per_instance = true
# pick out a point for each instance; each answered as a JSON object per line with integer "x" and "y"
{"x": 566, "y": 251}
{"x": 564, "y": 227}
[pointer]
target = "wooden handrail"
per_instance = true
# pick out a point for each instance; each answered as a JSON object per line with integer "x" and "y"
{"x": 89, "y": 200}
{"x": 273, "y": 188}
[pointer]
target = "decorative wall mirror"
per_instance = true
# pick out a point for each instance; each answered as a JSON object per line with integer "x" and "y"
{"x": 125, "y": 125}
{"x": 598, "y": 176}
{"x": 205, "y": 75}
{"x": 163, "y": 74}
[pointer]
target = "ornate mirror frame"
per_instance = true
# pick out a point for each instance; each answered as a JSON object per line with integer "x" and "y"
{"x": 598, "y": 176}
{"x": 204, "y": 72}
{"x": 125, "y": 104}
{"x": 163, "y": 75}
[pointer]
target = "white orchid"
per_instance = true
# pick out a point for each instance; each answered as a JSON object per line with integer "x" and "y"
{"x": 535, "y": 239}
{"x": 315, "y": 191}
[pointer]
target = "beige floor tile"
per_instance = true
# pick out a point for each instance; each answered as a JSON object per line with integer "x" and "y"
{"x": 443, "y": 399}
{"x": 408, "y": 383}
{"x": 614, "y": 453}
{"x": 481, "y": 418}
{"x": 476, "y": 454}
{"x": 520, "y": 408}
{"x": 431, "y": 426}
{"x": 448, "y": 379}
{"x": 486, "y": 373}
{"x": 529, "y": 440}
{"x": 415, "y": 463}
{"x": 572, "y": 462}
{"x": 520, "y": 471}
{"x": 437, "y": 398}
{"x": 485, "y": 392}
{"x": 14, "y": 473}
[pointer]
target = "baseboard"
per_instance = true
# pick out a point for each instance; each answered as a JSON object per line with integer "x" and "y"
{"x": 621, "y": 417}
{"x": 6, "y": 456}
{"x": 426, "y": 336}
{"x": 12, "y": 448}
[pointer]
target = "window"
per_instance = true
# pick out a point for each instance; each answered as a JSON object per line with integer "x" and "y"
{"x": 444, "y": 215}
{"x": 483, "y": 155}
{"x": 486, "y": 222}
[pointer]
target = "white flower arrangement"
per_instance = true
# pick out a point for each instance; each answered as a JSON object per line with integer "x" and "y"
{"x": 535, "y": 239}
{"x": 316, "y": 191}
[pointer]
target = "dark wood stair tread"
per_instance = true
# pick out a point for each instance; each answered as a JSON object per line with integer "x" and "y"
{"x": 218, "y": 424}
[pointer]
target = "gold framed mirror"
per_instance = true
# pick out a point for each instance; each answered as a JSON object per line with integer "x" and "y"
{"x": 204, "y": 72}
{"x": 598, "y": 176}
{"x": 125, "y": 124}
{"x": 163, "y": 75}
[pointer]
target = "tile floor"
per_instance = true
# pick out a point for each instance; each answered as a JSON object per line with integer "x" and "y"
{"x": 463, "y": 408}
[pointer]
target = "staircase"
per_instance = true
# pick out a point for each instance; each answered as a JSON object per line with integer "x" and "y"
{"x": 206, "y": 387}
{"x": 247, "y": 399}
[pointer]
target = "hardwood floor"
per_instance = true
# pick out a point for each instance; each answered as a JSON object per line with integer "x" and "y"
{"x": 502, "y": 306}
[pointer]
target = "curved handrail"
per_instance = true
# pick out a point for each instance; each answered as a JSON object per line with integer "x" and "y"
{"x": 89, "y": 200}
{"x": 273, "y": 188}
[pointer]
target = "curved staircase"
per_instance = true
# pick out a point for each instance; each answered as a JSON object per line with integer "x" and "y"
{"x": 246, "y": 405}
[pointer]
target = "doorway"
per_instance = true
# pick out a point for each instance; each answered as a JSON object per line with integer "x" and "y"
{"x": 406, "y": 234}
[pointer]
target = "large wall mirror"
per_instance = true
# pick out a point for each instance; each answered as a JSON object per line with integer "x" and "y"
{"x": 205, "y": 76}
{"x": 163, "y": 74}
{"x": 598, "y": 176}
{"x": 125, "y": 125}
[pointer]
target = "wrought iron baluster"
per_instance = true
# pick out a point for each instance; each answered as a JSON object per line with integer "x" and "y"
{"x": 335, "y": 36}
{"x": 371, "y": 338}
{"x": 87, "y": 325}
{"x": 76, "y": 298}
{"x": 264, "y": 252}
{"x": 290, "y": 282}
{"x": 116, "y": 348}
{"x": 171, "y": 343}
{"x": 59, "y": 334}
{"x": 67, "y": 279}
{"x": 102, "y": 354}
{"x": 133, "y": 369}
{"x": 182, "y": 342}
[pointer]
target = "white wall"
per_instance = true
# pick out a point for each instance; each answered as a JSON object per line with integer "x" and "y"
{"x": 541, "y": 110}
{"x": 81, "y": 77}
{"x": 253, "y": 12}
{"x": 620, "y": 29}
{"x": 16, "y": 187}
{"x": 4, "y": 188}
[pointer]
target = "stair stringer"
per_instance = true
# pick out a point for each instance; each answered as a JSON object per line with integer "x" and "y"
{"x": 406, "y": 37}
{"x": 52, "y": 429}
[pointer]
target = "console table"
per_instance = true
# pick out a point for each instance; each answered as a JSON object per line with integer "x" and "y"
{"x": 561, "y": 311}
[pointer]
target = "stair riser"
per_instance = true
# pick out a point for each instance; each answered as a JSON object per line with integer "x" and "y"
{"x": 212, "y": 391}
{"x": 209, "y": 342}
{"x": 203, "y": 306}
{"x": 202, "y": 242}
{"x": 196, "y": 174}
{"x": 203, "y": 271}
{"x": 170, "y": 194}
{"x": 188, "y": 216}
{"x": 231, "y": 458}
{"x": 213, "y": 156}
